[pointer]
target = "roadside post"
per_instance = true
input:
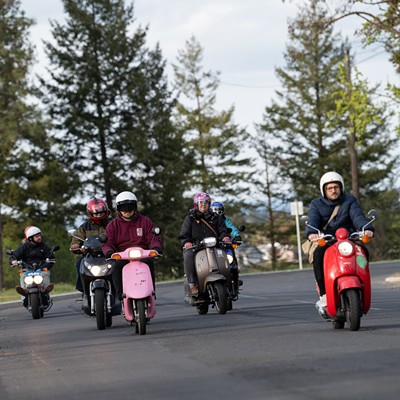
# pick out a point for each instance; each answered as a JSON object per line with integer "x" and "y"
{"x": 296, "y": 209}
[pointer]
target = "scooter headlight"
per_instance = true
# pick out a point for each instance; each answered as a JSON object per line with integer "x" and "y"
{"x": 38, "y": 279}
{"x": 28, "y": 280}
{"x": 99, "y": 270}
{"x": 230, "y": 258}
{"x": 345, "y": 248}
{"x": 210, "y": 241}
{"x": 135, "y": 253}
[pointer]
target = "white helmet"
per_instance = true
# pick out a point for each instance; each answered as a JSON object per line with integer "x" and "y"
{"x": 31, "y": 231}
{"x": 126, "y": 201}
{"x": 330, "y": 177}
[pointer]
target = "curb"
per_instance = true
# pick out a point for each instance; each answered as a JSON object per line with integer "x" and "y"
{"x": 57, "y": 297}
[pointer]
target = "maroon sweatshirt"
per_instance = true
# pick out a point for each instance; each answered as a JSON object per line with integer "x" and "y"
{"x": 122, "y": 234}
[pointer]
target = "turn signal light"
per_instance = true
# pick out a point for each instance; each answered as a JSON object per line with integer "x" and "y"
{"x": 116, "y": 256}
{"x": 321, "y": 242}
{"x": 365, "y": 239}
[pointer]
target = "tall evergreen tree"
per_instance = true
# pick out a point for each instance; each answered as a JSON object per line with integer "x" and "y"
{"x": 212, "y": 139}
{"x": 304, "y": 129}
{"x": 298, "y": 124}
{"x": 108, "y": 98}
{"x": 29, "y": 176}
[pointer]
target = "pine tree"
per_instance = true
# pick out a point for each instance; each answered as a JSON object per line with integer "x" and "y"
{"x": 111, "y": 110}
{"x": 299, "y": 128}
{"x": 25, "y": 158}
{"x": 213, "y": 140}
{"x": 305, "y": 130}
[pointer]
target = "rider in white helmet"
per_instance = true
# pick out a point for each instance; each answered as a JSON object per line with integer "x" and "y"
{"x": 130, "y": 228}
{"x": 33, "y": 249}
{"x": 349, "y": 216}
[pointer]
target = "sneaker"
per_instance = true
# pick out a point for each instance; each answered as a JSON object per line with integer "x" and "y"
{"x": 194, "y": 290}
{"x": 240, "y": 282}
{"x": 320, "y": 305}
{"x": 20, "y": 290}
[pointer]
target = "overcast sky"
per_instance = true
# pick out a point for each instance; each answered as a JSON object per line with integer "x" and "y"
{"x": 244, "y": 40}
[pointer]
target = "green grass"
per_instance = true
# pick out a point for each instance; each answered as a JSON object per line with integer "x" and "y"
{"x": 12, "y": 295}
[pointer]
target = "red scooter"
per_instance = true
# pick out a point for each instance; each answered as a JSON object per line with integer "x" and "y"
{"x": 347, "y": 276}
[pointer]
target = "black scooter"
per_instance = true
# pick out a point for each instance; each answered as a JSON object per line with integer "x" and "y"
{"x": 37, "y": 299}
{"x": 96, "y": 277}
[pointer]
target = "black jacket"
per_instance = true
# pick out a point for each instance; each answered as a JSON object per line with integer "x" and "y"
{"x": 193, "y": 230}
{"x": 33, "y": 253}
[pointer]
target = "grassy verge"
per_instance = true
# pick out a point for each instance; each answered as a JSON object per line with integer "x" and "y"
{"x": 12, "y": 295}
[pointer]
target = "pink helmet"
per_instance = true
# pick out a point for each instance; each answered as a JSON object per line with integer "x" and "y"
{"x": 201, "y": 197}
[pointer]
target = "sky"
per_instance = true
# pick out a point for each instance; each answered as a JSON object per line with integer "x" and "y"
{"x": 244, "y": 40}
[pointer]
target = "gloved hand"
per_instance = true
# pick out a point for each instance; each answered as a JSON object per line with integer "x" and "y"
{"x": 109, "y": 254}
{"x": 188, "y": 245}
{"x": 237, "y": 239}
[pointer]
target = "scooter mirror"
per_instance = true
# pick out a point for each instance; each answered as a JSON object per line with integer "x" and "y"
{"x": 56, "y": 248}
{"x": 71, "y": 232}
{"x": 372, "y": 214}
{"x": 242, "y": 228}
{"x": 305, "y": 220}
{"x": 9, "y": 252}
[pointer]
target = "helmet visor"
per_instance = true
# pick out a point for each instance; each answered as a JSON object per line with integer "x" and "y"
{"x": 131, "y": 206}
{"x": 98, "y": 214}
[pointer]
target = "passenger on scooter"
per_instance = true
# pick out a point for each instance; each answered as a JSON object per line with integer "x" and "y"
{"x": 349, "y": 215}
{"x": 33, "y": 250}
{"x": 130, "y": 228}
{"x": 234, "y": 233}
{"x": 197, "y": 225}
{"x": 99, "y": 216}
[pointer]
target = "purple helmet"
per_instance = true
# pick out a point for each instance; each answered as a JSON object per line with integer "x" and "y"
{"x": 201, "y": 197}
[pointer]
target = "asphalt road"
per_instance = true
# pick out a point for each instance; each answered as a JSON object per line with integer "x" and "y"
{"x": 272, "y": 345}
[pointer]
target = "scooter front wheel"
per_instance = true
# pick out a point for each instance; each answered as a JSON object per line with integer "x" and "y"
{"x": 353, "y": 309}
{"x": 141, "y": 317}
{"x": 35, "y": 305}
{"x": 101, "y": 309}
{"x": 221, "y": 297}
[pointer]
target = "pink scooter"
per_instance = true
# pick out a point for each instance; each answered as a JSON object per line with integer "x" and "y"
{"x": 139, "y": 304}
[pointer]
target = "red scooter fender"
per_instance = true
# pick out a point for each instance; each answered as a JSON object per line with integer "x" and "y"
{"x": 343, "y": 273}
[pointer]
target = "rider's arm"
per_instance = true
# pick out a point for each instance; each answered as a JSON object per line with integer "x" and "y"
{"x": 235, "y": 231}
{"x": 185, "y": 235}
{"x": 18, "y": 254}
{"x": 315, "y": 219}
{"x": 358, "y": 218}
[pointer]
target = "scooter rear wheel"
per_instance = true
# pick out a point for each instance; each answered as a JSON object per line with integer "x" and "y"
{"x": 338, "y": 324}
{"x": 202, "y": 309}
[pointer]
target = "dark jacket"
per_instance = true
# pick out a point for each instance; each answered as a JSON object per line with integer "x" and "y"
{"x": 89, "y": 228}
{"x": 123, "y": 234}
{"x": 349, "y": 216}
{"x": 33, "y": 253}
{"x": 193, "y": 230}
